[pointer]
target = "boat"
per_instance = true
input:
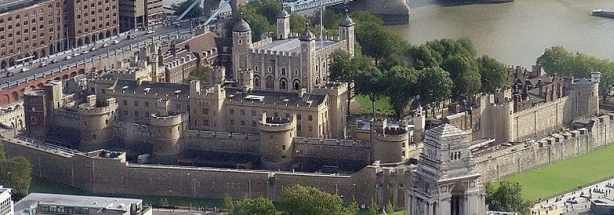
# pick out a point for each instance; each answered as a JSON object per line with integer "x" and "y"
{"x": 603, "y": 13}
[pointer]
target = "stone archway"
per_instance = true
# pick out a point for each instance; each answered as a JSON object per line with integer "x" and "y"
{"x": 87, "y": 40}
{"x": 100, "y": 36}
{"x": 14, "y": 96}
{"x": 296, "y": 85}
{"x": 94, "y": 38}
{"x": 79, "y": 42}
{"x": 108, "y": 34}
{"x": 283, "y": 84}
{"x": 3, "y": 64}
{"x": 43, "y": 53}
{"x": 35, "y": 54}
{"x": 269, "y": 83}
{"x": 114, "y": 31}
{"x": 457, "y": 200}
{"x": 12, "y": 62}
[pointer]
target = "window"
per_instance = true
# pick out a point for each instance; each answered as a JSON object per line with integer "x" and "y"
{"x": 146, "y": 104}
{"x": 206, "y": 111}
{"x": 310, "y": 118}
{"x": 254, "y": 123}
{"x": 298, "y": 117}
{"x": 136, "y": 114}
{"x": 253, "y": 113}
{"x": 125, "y": 102}
{"x": 232, "y": 122}
{"x": 242, "y": 122}
{"x": 136, "y": 103}
{"x": 231, "y": 111}
{"x": 205, "y": 122}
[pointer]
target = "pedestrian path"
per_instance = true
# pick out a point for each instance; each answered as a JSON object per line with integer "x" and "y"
{"x": 575, "y": 202}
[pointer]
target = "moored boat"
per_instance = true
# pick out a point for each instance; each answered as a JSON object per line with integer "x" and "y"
{"x": 603, "y": 13}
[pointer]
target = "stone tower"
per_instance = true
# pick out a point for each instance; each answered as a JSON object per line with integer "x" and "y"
{"x": 276, "y": 136}
{"x": 388, "y": 142}
{"x": 346, "y": 32}
{"x": 283, "y": 24}
{"x": 241, "y": 44}
{"x": 97, "y": 120}
{"x": 36, "y": 113}
{"x": 586, "y": 93}
{"x": 166, "y": 128}
{"x": 419, "y": 123}
{"x": 308, "y": 50}
{"x": 446, "y": 182}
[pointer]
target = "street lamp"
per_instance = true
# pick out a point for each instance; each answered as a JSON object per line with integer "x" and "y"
{"x": 169, "y": 201}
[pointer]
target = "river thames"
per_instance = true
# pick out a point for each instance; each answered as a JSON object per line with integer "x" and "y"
{"x": 515, "y": 33}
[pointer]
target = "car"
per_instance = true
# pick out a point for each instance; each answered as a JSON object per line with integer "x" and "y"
{"x": 131, "y": 36}
{"x": 85, "y": 52}
{"x": 93, "y": 48}
{"x": 151, "y": 32}
{"x": 43, "y": 64}
{"x": 115, "y": 42}
{"x": 75, "y": 54}
{"x": 22, "y": 70}
{"x": 68, "y": 57}
{"x": 9, "y": 74}
{"x": 53, "y": 61}
{"x": 104, "y": 45}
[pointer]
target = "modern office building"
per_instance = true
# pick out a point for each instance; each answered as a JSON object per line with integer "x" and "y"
{"x": 29, "y": 29}
{"x": 6, "y": 204}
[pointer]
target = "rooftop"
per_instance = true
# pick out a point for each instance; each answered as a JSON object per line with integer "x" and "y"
{"x": 294, "y": 45}
{"x": 270, "y": 97}
{"x": 10, "y": 5}
{"x": 158, "y": 88}
{"x": 107, "y": 203}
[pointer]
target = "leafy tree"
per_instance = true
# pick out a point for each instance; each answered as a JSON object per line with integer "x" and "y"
{"x": 301, "y": 200}
{"x": 330, "y": 19}
{"x": 267, "y": 8}
{"x": 464, "y": 75}
{"x": 196, "y": 11}
{"x": 298, "y": 22}
{"x": 370, "y": 82}
{"x": 400, "y": 85}
{"x": 377, "y": 41}
{"x": 15, "y": 173}
{"x": 507, "y": 197}
{"x": 493, "y": 74}
{"x": 555, "y": 60}
{"x": 434, "y": 85}
{"x": 255, "y": 206}
{"x": 345, "y": 69}
{"x": 2, "y": 155}
{"x": 424, "y": 57}
{"x": 373, "y": 208}
{"x": 228, "y": 203}
{"x": 389, "y": 208}
{"x": 200, "y": 73}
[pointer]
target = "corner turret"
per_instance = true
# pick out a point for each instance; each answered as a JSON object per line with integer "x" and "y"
{"x": 166, "y": 128}
{"x": 283, "y": 25}
{"x": 276, "y": 137}
{"x": 241, "y": 44}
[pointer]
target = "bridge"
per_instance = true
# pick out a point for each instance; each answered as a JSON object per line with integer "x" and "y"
{"x": 303, "y": 5}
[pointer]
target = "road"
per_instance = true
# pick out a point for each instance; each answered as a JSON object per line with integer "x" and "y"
{"x": 33, "y": 69}
{"x": 575, "y": 202}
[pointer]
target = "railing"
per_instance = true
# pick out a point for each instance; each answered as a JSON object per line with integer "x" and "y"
{"x": 306, "y": 5}
{"x": 33, "y": 77}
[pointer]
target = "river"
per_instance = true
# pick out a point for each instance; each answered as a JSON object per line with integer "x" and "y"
{"x": 515, "y": 33}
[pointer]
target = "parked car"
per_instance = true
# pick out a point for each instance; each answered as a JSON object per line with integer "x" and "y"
{"x": 75, "y": 54}
{"x": 68, "y": 57}
{"x": 105, "y": 45}
{"x": 93, "y": 48}
{"x": 43, "y": 64}
{"x": 9, "y": 74}
{"x": 151, "y": 32}
{"x": 53, "y": 61}
{"x": 131, "y": 36}
{"x": 85, "y": 52}
{"x": 22, "y": 70}
{"x": 115, "y": 42}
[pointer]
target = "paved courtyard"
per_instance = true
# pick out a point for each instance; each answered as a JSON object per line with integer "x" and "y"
{"x": 575, "y": 202}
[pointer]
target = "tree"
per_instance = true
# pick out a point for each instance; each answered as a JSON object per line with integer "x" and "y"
{"x": 298, "y": 22}
{"x": 370, "y": 82}
{"x": 464, "y": 74}
{"x": 424, "y": 57}
{"x": 301, "y": 200}
{"x": 434, "y": 85}
{"x": 15, "y": 173}
{"x": 255, "y": 206}
{"x": 493, "y": 74}
{"x": 389, "y": 208}
{"x": 507, "y": 197}
{"x": 228, "y": 203}
{"x": 377, "y": 41}
{"x": 196, "y": 11}
{"x": 200, "y": 73}
{"x": 344, "y": 68}
{"x": 373, "y": 208}
{"x": 267, "y": 8}
{"x": 400, "y": 85}
{"x": 555, "y": 60}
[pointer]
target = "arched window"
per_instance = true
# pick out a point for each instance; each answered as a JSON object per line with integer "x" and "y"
{"x": 296, "y": 72}
{"x": 256, "y": 69}
{"x": 283, "y": 84}
{"x": 297, "y": 85}
{"x": 283, "y": 71}
{"x": 269, "y": 83}
{"x": 257, "y": 81}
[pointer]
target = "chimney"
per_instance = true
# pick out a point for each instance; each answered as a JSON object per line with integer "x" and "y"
{"x": 301, "y": 93}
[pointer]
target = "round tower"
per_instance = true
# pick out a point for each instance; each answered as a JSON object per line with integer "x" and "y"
{"x": 96, "y": 123}
{"x": 388, "y": 142}
{"x": 241, "y": 43}
{"x": 276, "y": 148}
{"x": 166, "y": 128}
{"x": 35, "y": 112}
{"x": 283, "y": 24}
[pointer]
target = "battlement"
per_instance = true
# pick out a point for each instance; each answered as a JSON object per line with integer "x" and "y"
{"x": 331, "y": 142}
{"x": 170, "y": 120}
{"x": 332, "y": 88}
{"x": 180, "y": 61}
{"x": 276, "y": 53}
{"x": 541, "y": 105}
{"x": 392, "y": 134}
{"x": 196, "y": 134}
{"x": 90, "y": 108}
{"x": 263, "y": 42}
{"x": 276, "y": 124}
{"x": 276, "y": 105}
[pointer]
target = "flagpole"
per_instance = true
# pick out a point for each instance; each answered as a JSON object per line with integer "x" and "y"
{"x": 321, "y": 26}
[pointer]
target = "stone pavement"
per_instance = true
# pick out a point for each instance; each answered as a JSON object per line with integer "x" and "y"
{"x": 575, "y": 202}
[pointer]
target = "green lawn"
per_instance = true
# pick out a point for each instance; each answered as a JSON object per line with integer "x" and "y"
{"x": 382, "y": 105}
{"x": 567, "y": 175}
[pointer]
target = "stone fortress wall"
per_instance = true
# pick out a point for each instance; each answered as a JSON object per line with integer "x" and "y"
{"x": 108, "y": 172}
{"x": 516, "y": 158}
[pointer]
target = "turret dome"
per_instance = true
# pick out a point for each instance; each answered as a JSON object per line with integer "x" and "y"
{"x": 306, "y": 36}
{"x": 346, "y": 21}
{"x": 283, "y": 14}
{"x": 241, "y": 26}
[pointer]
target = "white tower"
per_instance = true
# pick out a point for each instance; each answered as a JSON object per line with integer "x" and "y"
{"x": 283, "y": 24}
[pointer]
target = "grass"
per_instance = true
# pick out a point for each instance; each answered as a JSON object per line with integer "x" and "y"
{"x": 566, "y": 176}
{"x": 382, "y": 105}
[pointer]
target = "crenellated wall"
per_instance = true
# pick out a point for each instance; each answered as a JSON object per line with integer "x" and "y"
{"x": 517, "y": 158}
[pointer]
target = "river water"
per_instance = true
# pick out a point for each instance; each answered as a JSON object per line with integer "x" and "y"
{"x": 515, "y": 33}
